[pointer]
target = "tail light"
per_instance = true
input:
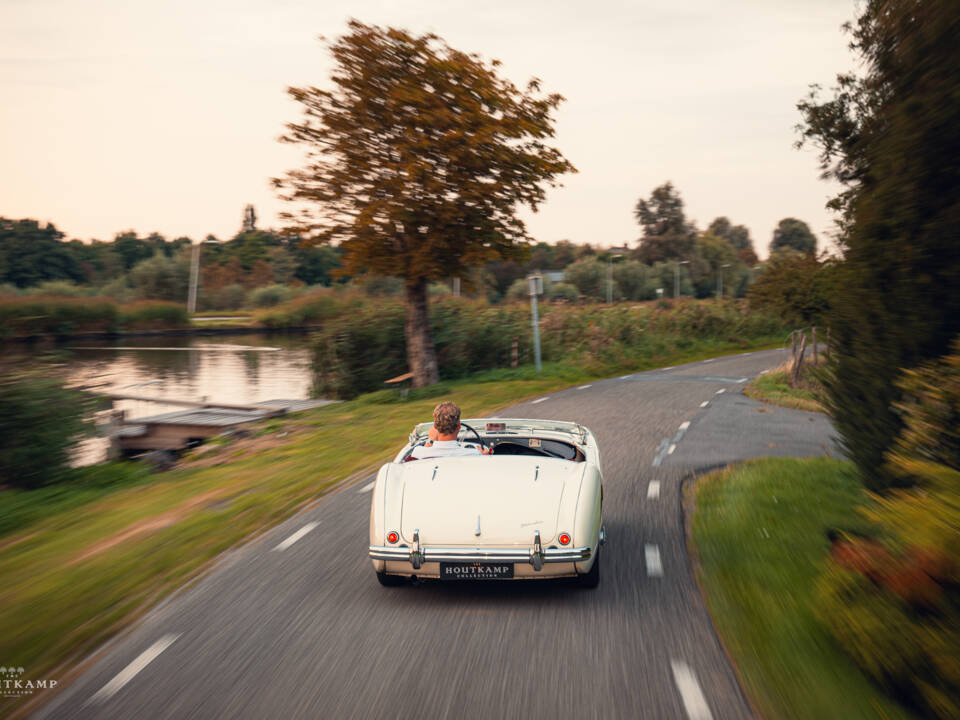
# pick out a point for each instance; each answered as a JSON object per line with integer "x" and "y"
{"x": 564, "y": 538}
{"x": 392, "y": 537}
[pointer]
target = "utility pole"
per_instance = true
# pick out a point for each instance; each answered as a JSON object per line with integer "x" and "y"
{"x": 194, "y": 273}
{"x": 676, "y": 277}
{"x": 536, "y": 288}
{"x": 456, "y": 287}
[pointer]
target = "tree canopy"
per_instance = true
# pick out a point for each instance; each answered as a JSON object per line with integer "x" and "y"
{"x": 666, "y": 234}
{"x": 417, "y": 160}
{"x": 793, "y": 234}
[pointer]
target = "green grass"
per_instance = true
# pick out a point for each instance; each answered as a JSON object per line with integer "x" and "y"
{"x": 74, "y": 570}
{"x": 776, "y": 390}
{"x": 760, "y": 534}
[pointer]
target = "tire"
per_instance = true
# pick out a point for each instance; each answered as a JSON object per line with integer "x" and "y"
{"x": 592, "y": 579}
{"x": 388, "y": 580}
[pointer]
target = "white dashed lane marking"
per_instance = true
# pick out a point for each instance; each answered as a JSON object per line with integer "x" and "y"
{"x": 653, "y": 490}
{"x": 652, "y": 555}
{"x": 710, "y": 360}
{"x": 584, "y": 387}
{"x": 720, "y": 391}
{"x": 704, "y": 403}
{"x": 693, "y": 700}
{"x": 671, "y": 449}
{"x": 296, "y": 536}
{"x": 540, "y": 400}
{"x": 366, "y": 488}
{"x": 684, "y": 425}
{"x": 131, "y": 670}
{"x": 669, "y": 367}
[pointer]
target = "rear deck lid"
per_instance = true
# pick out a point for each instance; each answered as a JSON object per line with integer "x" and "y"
{"x": 476, "y": 501}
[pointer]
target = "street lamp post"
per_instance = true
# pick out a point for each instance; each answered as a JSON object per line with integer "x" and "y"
{"x": 536, "y": 288}
{"x": 194, "y": 278}
{"x": 720, "y": 281}
{"x": 613, "y": 253}
{"x": 676, "y": 277}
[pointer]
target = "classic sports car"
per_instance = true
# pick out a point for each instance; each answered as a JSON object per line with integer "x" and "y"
{"x": 531, "y": 509}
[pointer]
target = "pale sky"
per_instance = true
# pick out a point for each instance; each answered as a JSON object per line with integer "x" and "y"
{"x": 163, "y": 116}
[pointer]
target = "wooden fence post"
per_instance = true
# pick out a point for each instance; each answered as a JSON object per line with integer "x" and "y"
{"x": 515, "y": 352}
{"x": 815, "y": 356}
{"x": 798, "y": 363}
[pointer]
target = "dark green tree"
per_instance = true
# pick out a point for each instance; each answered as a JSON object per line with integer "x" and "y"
{"x": 417, "y": 161}
{"x": 891, "y": 135}
{"x": 666, "y": 234}
{"x": 31, "y": 254}
{"x": 131, "y": 248}
{"x": 738, "y": 236}
{"x": 793, "y": 235}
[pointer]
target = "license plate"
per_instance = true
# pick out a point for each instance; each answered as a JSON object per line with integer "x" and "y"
{"x": 476, "y": 571}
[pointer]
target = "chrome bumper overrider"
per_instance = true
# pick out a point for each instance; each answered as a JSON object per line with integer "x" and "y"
{"x": 537, "y": 555}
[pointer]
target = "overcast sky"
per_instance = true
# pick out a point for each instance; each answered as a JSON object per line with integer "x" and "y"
{"x": 126, "y": 114}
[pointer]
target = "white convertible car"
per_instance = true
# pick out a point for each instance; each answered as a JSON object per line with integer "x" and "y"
{"x": 531, "y": 509}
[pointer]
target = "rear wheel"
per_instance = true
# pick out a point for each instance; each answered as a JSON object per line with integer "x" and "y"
{"x": 591, "y": 579}
{"x": 388, "y": 580}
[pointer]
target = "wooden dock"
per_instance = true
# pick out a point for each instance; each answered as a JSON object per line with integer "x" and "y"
{"x": 183, "y": 429}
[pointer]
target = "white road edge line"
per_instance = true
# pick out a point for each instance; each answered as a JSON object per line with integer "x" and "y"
{"x": 653, "y": 490}
{"x": 669, "y": 367}
{"x": 710, "y": 360}
{"x": 654, "y": 566}
{"x": 131, "y": 670}
{"x": 296, "y": 536}
{"x": 540, "y": 400}
{"x": 624, "y": 377}
{"x": 764, "y": 372}
{"x": 693, "y": 700}
{"x": 584, "y": 387}
{"x": 367, "y": 488}
{"x": 685, "y": 424}
{"x": 721, "y": 390}
{"x": 704, "y": 403}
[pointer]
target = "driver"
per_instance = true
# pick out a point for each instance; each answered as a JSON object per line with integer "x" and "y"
{"x": 443, "y": 435}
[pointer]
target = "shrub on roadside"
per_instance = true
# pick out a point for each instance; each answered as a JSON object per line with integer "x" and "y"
{"x": 310, "y": 309}
{"x": 40, "y": 422}
{"x": 893, "y": 601}
{"x": 269, "y": 296}
{"x": 358, "y": 350}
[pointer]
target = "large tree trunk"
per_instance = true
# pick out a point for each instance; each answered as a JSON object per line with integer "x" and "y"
{"x": 421, "y": 355}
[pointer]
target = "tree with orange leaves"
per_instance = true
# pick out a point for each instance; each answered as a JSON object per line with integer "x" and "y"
{"x": 417, "y": 161}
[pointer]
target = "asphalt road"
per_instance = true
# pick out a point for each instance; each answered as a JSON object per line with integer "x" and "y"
{"x": 296, "y": 626}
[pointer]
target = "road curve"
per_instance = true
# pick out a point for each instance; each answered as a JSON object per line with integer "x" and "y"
{"x": 296, "y": 626}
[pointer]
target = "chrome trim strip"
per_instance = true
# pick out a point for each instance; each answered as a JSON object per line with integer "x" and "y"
{"x": 475, "y": 554}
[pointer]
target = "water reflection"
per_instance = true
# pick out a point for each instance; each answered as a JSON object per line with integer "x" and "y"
{"x": 231, "y": 369}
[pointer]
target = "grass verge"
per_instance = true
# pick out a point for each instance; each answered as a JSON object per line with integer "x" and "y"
{"x": 774, "y": 388}
{"x": 760, "y": 537}
{"x": 91, "y": 558}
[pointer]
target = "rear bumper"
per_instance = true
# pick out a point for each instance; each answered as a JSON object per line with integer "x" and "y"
{"x": 536, "y": 558}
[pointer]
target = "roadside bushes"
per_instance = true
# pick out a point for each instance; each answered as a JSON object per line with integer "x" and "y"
{"x": 893, "y": 600}
{"x": 358, "y": 350}
{"x": 40, "y": 421}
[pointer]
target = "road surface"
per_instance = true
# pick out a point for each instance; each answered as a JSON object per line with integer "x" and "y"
{"x": 296, "y": 626}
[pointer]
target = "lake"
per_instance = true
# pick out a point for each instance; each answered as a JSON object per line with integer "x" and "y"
{"x": 235, "y": 369}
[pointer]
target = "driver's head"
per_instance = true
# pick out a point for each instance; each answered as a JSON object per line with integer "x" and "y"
{"x": 446, "y": 418}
